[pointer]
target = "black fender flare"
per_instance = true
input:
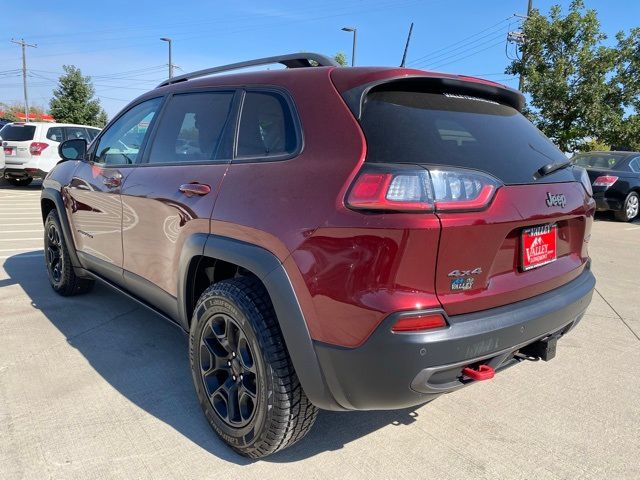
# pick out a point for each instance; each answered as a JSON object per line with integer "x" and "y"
{"x": 56, "y": 197}
{"x": 268, "y": 268}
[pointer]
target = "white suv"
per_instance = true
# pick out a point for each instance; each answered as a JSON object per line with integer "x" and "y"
{"x": 31, "y": 149}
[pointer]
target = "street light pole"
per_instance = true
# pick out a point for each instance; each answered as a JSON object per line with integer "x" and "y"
{"x": 353, "y": 48}
{"x": 168, "y": 40}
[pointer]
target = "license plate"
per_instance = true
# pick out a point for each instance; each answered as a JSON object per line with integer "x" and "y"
{"x": 539, "y": 246}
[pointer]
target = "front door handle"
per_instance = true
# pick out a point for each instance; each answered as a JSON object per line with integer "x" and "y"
{"x": 191, "y": 189}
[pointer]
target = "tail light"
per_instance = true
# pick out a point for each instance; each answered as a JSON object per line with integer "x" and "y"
{"x": 419, "y": 323}
{"x": 36, "y": 148}
{"x": 605, "y": 181}
{"x": 405, "y": 188}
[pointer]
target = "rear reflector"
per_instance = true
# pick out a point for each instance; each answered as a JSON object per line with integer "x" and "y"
{"x": 409, "y": 188}
{"x": 605, "y": 181}
{"x": 36, "y": 148}
{"x": 419, "y": 323}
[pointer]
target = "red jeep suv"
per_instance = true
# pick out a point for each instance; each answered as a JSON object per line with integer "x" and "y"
{"x": 329, "y": 238}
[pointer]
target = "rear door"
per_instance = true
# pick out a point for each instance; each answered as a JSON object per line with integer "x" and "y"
{"x": 95, "y": 208}
{"x": 172, "y": 194}
{"x": 529, "y": 237}
{"x": 17, "y": 138}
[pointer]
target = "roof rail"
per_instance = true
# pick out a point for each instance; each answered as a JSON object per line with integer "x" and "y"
{"x": 292, "y": 60}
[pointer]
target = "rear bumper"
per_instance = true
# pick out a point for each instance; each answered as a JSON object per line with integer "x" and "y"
{"x": 394, "y": 370}
{"x": 23, "y": 172}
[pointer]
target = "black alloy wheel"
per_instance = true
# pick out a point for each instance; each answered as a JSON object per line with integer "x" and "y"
{"x": 53, "y": 253}
{"x": 228, "y": 370}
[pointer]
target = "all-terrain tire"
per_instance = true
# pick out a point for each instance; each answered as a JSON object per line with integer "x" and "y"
{"x": 62, "y": 277}
{"x": 282, "y": 414}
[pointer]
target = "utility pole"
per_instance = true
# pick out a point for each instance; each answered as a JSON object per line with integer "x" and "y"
{"x": 168, "y": 40}
{"x": 406, "y": 47}
{"x": 521, "y": 81}
{"x": 23, "y": 44}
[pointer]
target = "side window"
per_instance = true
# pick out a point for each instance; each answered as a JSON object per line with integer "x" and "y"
{"x": 267, "y": 127}
{"x": 192, "y": 128}
{"x": 635, "y": 165}
{"x": 93, "y": 132}
{"x": 76, "y": 132}
{"x": 55, "y": 134}
{"x": 121, "y": 142}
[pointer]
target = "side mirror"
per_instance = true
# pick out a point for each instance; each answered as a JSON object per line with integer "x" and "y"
{"x": 73, "y": 149}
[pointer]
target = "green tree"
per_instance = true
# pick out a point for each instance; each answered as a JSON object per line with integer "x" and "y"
{"x": 73, "y": 100}
{"x": 341, "y": 59}
{"x": 579, "y": 88}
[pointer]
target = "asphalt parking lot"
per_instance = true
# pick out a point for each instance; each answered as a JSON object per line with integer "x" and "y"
{"x": 97, "y": 387}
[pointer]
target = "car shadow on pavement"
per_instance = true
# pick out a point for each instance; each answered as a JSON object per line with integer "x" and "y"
{"x": 145, "y": 359}
{"x": 34, "y": 186}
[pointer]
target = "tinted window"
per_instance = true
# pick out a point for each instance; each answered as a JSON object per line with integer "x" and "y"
{"x": 635, "y": 165}
{"x": 93, "y": 132}
{"x": 17, "y": 133}
{"x": 191, "y": 128}
{"x": 77, "y": 132}
{"x": 122, "y": 141}
{"x": 55, "y": 134}
{"x": 599, "y": 160}
{"x": 446, "y": 129}
{"x": 266, "y": 126}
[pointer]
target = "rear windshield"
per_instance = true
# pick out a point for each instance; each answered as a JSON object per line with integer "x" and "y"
{"x": 601, "y": 161}
{"x": 17, "y": 133}
{"x": 456, "y": 130}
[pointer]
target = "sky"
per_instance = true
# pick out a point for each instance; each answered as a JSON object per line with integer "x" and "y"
{"x": 117, "y": 42}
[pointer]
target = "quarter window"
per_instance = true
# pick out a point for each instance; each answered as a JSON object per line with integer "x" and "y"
{"x": 635, "y": 165}
{"x": 55, "y": 134}
{"x": 192, "y": 129}
{"x": 121, "y": 143}
{"x": 267, "y": 128}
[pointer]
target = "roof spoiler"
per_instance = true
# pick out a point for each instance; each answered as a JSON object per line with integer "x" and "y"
{"x": 463, "y": 86}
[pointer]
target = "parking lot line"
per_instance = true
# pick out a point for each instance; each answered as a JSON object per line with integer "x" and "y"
{"x": 23, "y": 231}
{"x": 19, "y": 239}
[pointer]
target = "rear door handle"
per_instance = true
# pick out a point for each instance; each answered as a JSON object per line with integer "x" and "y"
{"x": 191, "y": 189}
{"x": 112, "y": 181}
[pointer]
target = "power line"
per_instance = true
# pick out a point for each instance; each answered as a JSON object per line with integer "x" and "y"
{"x": 463, "y": 41}
{"x": 440, "y": 65}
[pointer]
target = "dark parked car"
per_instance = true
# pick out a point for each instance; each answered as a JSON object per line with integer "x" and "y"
{"x": 333, "y": 238}
{"x": 616, "y": 181}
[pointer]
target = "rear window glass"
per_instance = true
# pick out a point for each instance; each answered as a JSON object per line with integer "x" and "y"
{"x": 601, "y": 161}
{"x": 17, "y": 133}
{"x": 448, "y": 129}
{"x": 266, "y": 126}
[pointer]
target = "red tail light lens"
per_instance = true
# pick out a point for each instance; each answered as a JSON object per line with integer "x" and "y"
{"x": 419, "y": 323}
{"x": 36, "y": 148}
{"x": 404, "y": 188}
{"x": 605, "y": 181}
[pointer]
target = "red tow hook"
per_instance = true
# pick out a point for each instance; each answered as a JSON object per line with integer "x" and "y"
{"x": 483, "y": 372}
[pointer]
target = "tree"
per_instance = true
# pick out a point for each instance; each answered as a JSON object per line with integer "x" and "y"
{"x": 580, "y": 89}
{"x": 341, "y": 59}
{"x": 73, "y": 100}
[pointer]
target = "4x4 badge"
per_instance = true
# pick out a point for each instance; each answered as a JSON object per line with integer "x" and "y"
{"x": 556, "y": 199}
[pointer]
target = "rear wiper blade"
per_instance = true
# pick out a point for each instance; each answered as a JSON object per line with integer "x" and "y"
{"x": 551, "y": 167}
